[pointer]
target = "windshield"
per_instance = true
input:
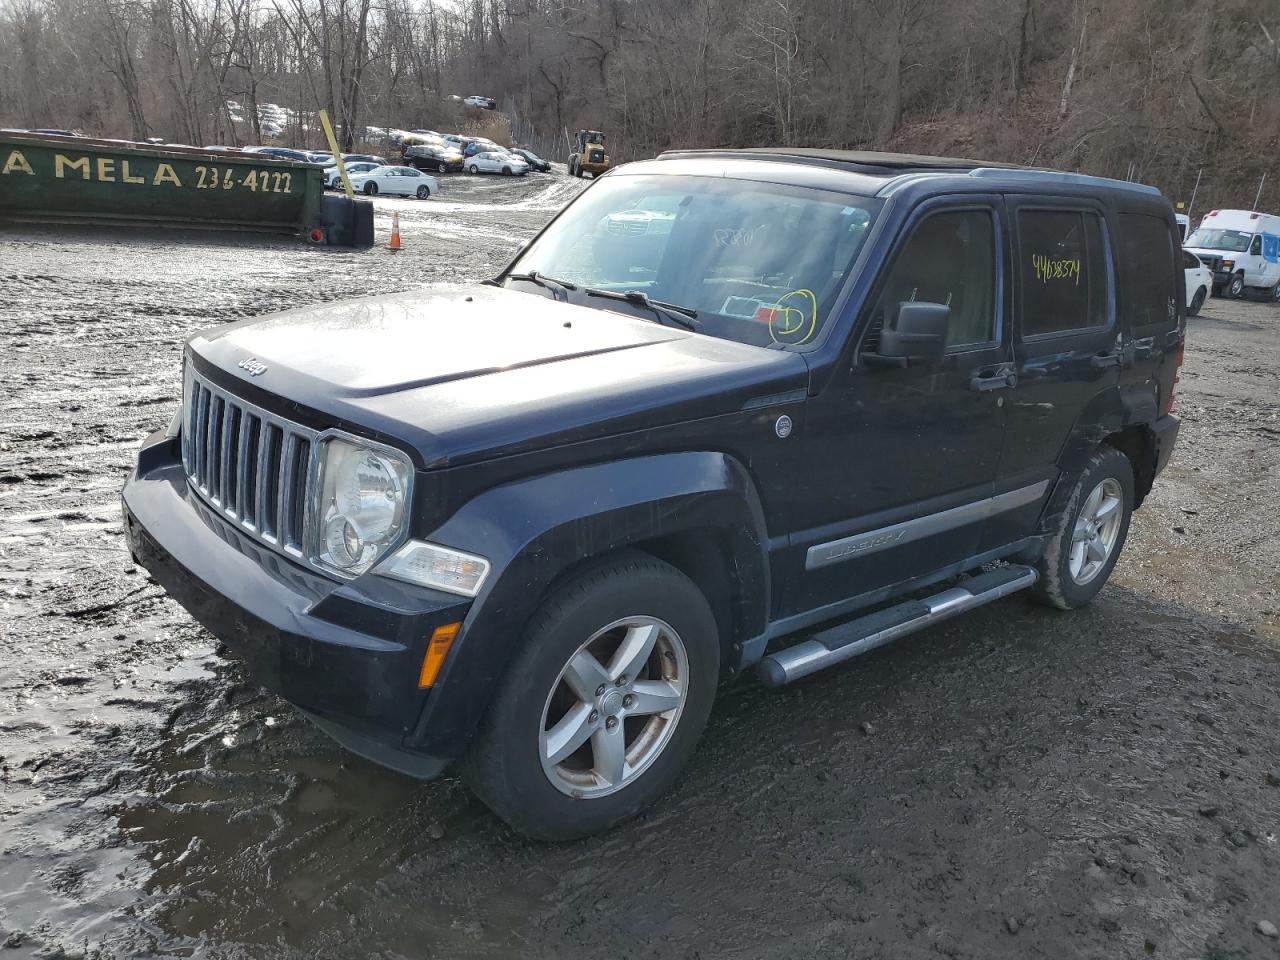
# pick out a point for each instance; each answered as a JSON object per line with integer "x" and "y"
{"x": 1235, "y": 241}
{"x": 760, "y": 263}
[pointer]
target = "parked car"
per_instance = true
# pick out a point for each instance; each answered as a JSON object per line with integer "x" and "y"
{"x": 497, "y": 162}
{"x": 333, "y": 179}
{"x": 1242, "y": 248}
{"x": 484, "y": 103}
{"x": 402, "y": 181}
{"x": 362, "y": 158}
{"x": 433, "y": 156}
{"x": 280, "y": 153}
{"x": 531, "y": 526}
{"x": 535, "y": 162}
{"x": 1199, "y": 281}
{"x": 473, "y": 145}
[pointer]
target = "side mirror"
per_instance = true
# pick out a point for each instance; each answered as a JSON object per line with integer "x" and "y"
{"x": 919, "y": 336}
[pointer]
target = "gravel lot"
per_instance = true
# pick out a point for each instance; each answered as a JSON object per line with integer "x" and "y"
{"x": 1015, "y": 783}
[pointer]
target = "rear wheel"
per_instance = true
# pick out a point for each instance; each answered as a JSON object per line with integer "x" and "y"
{"x": 1236, "y": 289}
{"x": 1090, "y": 533}
{"x": 473, "y": 169}
{"x": 423, "y": 192}
{"x": 371, "y": 189}
{"x": 1197, "y": 302}
{"x": 603, "y": 706}
{"x": 442, "y": 168}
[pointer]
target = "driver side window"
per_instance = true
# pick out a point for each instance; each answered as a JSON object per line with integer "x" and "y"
{"x": 949, "y": 259}
{"x": 1255, "y": 248}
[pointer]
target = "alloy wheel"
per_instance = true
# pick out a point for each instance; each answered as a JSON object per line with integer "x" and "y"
{"x": 614, "y": 707}
{"x": 1096, "y": 530}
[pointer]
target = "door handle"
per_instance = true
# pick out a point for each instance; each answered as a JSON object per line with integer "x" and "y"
{"x": 993, "y": 378}
{"x": 1100, "y": 360}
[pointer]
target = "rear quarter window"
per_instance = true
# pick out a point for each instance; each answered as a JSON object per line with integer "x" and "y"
{"x": 1149, "y": 271}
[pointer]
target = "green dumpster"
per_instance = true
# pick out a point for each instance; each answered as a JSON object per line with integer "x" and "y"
{"x": 73, "y": 179}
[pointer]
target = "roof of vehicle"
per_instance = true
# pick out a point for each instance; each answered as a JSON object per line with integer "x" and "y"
{"x": 894, "y": 170}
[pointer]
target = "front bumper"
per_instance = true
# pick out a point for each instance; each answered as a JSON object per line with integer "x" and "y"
{"x": 347, "y": 654}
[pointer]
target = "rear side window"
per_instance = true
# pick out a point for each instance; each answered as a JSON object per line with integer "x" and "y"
{"x": 1063, "y": 271}
{"x": 1189, "y": 260}
{"x": 1149, "y": 276}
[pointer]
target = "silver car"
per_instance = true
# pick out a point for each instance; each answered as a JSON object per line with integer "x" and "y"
{"x": 495, "y": 162}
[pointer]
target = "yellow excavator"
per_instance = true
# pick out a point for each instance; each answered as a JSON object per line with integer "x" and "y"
{"x": 589, "y": 155}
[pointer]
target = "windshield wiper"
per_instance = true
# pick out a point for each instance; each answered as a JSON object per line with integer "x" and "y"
{"x": 680, "y": 316}
{"x": 547, "y": 283}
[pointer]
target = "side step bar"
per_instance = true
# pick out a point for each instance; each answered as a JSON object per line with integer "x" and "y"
{"x": 876, "y": 629}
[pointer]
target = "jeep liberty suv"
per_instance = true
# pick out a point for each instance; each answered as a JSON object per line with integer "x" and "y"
{"x": 730, "y": 410}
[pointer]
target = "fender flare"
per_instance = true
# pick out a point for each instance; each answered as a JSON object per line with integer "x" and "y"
{"x": 532, "y": 531}
{"x": 1108, "y": 413}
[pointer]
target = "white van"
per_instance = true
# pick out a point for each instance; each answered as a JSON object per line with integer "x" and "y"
{"x": 1242, "y": 248}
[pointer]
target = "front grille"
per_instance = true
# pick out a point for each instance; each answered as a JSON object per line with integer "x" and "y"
{"x": 252, "y": 466}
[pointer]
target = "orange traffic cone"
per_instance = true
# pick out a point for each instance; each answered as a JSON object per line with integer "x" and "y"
{"x": 395, "y": 232}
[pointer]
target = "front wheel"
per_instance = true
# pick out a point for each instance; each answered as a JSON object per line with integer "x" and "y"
{"x": 603, "y": 705}
{"x": 1090, "y": 533}
{"x": 506, "y": 171}
{"x": 1197, "y": 302}
{"x": 1236, "y": 290}
{"x": 371, "y": 189}
{"x": 423, "y": 192}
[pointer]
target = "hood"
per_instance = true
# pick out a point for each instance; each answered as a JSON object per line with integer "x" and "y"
{"x": 460, "y": 374}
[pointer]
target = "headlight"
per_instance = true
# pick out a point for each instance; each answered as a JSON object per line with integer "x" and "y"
{"x": 441, "y": 568}
{"x": 360, "y": 509}
{"x": 1228, "y": 264}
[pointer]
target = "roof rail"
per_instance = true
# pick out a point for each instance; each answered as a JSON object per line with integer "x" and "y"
{"x": 1054, "y": 176}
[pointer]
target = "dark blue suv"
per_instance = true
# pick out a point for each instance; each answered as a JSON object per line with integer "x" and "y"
{"x": 723, "y": 401}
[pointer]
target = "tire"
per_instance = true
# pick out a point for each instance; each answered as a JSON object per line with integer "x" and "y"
{"x": 371, "y": 189}
{"x": 506, "y": 171}
{"x": 1197, "y": 302}
{"x": 473, "y": 169}
{"x": 1109, "y": 471}
{"x": 442, "y": 168}
{"x": 505, "y": 765}
{"x": 423, "y": 192}
{"x": 1236, "y": 288}
{"x": 1274, "y": 294}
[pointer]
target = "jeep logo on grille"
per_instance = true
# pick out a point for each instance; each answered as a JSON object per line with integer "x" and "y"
{"x": 253, "y": 366}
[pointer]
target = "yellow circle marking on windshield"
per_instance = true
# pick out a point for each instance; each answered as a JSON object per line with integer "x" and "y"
{"x": 788, "y": 319}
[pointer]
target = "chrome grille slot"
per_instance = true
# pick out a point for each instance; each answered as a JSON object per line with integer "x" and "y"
{"x": 252, "y": 465}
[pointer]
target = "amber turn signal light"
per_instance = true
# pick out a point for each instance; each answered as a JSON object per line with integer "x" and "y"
{"x": 437, "y": 650}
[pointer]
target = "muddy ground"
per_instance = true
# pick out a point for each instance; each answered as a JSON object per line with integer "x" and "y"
{"x": 1016, "y": 783}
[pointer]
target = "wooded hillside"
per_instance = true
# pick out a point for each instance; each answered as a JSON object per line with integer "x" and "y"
{"x": 1152, "y": 89}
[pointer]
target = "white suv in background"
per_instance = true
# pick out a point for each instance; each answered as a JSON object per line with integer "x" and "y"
{"x": 1199, "y": 279}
